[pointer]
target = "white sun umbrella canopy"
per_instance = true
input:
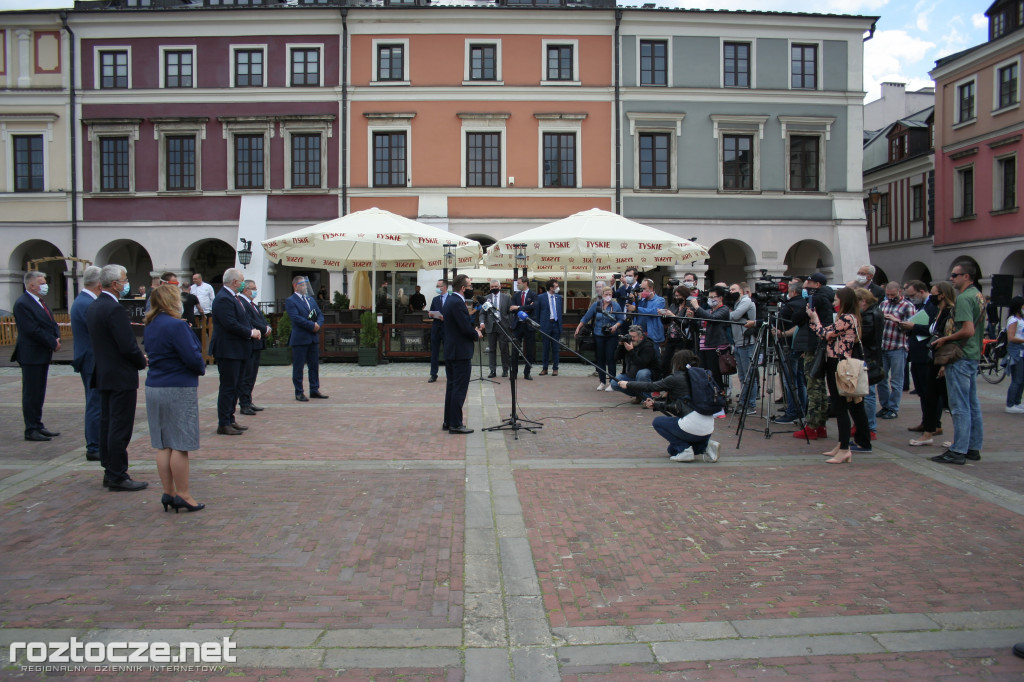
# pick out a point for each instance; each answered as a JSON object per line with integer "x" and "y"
{"x": 373, "y": 239}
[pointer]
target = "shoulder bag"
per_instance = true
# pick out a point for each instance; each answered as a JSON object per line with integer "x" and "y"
{"x": 852, "y": 376}
{"x": 726, "y": 361}
{"x": 817, "y": 369}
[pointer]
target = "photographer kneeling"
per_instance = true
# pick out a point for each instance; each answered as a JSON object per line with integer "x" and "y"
{"x": 641, "y": 361}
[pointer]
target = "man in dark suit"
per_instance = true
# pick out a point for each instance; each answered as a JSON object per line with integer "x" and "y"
{"x": 524, "y": 300}
{"x": 489, "y": 322}
{"x": 116, "y": 376}
{"x": 38, "y": 338}
{"x": 549, "y": 315}
{"x": 84, "y": 361}
{"x": 306, "y": 318}
{"x": 459, "y": 342}
{"x": 252, "y": 367}
{"x": 231, "y": 346}
{"x": 437, "y": 327}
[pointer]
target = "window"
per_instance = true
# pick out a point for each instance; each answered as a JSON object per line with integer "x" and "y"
{"x": 559, "y": 159}
{"x": 654, "y": 160}
{"x": 391, "y": 62}
{"x": 804, "y": 67}
{"x": 113, "y": 69}
{"x": 249, "y": 161}
{"x": 737, "y": 162}
{"x": 181, "y": 162}
{"x": 306, "y": 160}
{"x": 114, "y": 164}
{"x": 178, "y": 68}
{"x": 963, "y": 200}
{"x": 653, "y": 62}
{"x": 560, "y": 63}
{"x": 28, "y": 163}
{"x": 916, "y": 203}
{"x": 249, "y": 68}
{"x": 483, "y": 159}
{"x": 736, "y": 65}
{"x": 803, "y": 163}
{"x": 483, "y": 62}
{"x": 965, "y": 102}
{"x": 389, "y": 159}
{"x": 1005, "y": 184}
{"x": 305, "y": 67}
{"x": 883, "y": 210}
{"x": 1007, "y": 91}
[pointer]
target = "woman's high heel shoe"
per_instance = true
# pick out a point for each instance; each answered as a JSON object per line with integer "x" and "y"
{"x": 167, "y": 501}
{"x": 182, "y": 504}
{"x": 832, "y": 453}
{"x": 841, "y": 459}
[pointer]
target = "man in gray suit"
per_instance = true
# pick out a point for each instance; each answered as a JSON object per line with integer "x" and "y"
{"x": 84, "y": 361}
{"x": 497, "y": 314}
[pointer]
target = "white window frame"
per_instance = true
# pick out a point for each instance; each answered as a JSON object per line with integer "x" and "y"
{"x": 559, "y": 123}
{"x": 808, "y": 126}
{"x": 483, "y": 123}
{"x": 162, "y": 128}
{"x": 97, "y": 71}
{"x": 34, "y": 124}
{"x": 668, "y": 60}
{"x": 306, "y": 126}
{"x": 958, "y": 191}
{"x": 995, "y": 85}
{"x": 957, "y": 123}
{"x": 164, "y": 49}
{"x": 253, "y": 126}
{"x": 752, "y": 42}
{"x": 819, "y": 76}
{"x": 378, "y": 42}
{"x": 997, "y": 184}
{"x": 471, "y": 42}
{"x": 670, "y": 123}
{"x": 727, "y": 124}
{"x": 391, "y": 123}
{"x": 575, "y": 45}
{"x": 114, "y": 128}
{"x": 319, "y": 47}
{"x": 266, "y": 67}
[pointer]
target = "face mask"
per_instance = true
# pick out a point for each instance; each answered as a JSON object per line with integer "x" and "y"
{"x": 645, "y": 294}
{"x": 862, "y": 279}
{"x": 252, "y": 294}
{"x": 679, "y": 301}
{"x": 44, "y": 289}
{"x": 894, "y": 299}
{"x": 713, "y": 302}
{"x": 555, "y": 290}
{"x": 628, "y": 279}
{"x": 126, "y": 289}
{"x": 806, "y": 293}
{"x": 494, "y": 291}
{"x": 241, "y": 286}
{"x": 607, "y": 299}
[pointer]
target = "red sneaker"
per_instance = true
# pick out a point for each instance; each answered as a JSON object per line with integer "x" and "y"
{"x": 822, "y": 433}
{"x": 853, "y": 430}
{"x": 808, "y": 432}
{"x": 874, "y": 436}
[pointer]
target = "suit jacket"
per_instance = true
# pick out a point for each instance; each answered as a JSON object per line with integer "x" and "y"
{"x": 232, "y": 332}
{"x": 298, "y": 309}
{"x": 117, "y": 355}
{"x": 84, "y": 360}
{"x": 258, "y": 321}
{"x": 504, "y": 301}
{"x": 459, "y": 334}
{"x": 545, "y": 303}
{"x": 436, "y": 305}
{"x": 528, "y": 307}
{"x": 37, "y": 332}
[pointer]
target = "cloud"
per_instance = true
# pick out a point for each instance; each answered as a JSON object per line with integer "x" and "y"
{"x": 979, "y": 21}
{"x": 811, "y": 6}
{"x": 895, "y": 56}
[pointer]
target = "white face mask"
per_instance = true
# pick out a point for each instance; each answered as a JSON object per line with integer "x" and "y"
{"x": 555, "y": 290}
{"x": 862, "y": 279}
{"x": 44, "y": 289}
{"x": 629, "y": 279}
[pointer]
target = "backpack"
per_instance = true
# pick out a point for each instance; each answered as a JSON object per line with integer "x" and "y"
{"x": 705, "y": 396}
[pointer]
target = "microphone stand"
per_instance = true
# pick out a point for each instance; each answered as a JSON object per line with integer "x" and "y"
{"x": 480, "y": 358}
{"x": 514, "y": 423}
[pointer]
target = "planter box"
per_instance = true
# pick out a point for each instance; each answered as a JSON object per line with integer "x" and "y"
{"x": 276, "y": 356}
{"x": 367, "y": 357}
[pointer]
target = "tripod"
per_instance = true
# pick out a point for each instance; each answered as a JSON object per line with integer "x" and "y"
{"x": 480, "y": 363}
{"x": 514, "y": 423}
{"x": 774, "y": 366}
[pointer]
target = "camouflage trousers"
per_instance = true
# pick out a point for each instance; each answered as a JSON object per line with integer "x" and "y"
{"x": 817, "y": 396}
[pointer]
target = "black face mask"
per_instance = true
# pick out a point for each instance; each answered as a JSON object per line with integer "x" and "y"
{"x": 494, "y": 291}
{"x": 679, "y": 301}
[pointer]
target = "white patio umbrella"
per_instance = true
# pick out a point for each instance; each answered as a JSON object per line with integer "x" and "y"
{"x": 372, "y": 240}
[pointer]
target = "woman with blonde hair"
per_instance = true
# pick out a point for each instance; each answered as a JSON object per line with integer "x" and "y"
{"x": 172, "y": 403}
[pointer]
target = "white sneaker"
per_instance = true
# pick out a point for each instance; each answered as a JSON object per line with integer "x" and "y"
{"x": 1016, "y": 409}
{"x": 711, "y": 451}
{"x": 602, "y": 387}
{"x": 609, "y": 389}
{"x": 684, "y": 456}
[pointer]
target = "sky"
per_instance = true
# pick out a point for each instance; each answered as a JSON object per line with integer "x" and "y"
{"x": 909, "y": 37}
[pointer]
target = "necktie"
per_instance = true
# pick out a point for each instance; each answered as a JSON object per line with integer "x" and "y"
{"x": 306, "y": 301}
{"x": 48, "y": 313}
{"x": 524, "y": 299}
{"x": 553, "y": 300}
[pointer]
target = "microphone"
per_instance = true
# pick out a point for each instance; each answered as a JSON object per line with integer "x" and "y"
{"x": 487, "y": 306}
{"x": 523, "y": 317}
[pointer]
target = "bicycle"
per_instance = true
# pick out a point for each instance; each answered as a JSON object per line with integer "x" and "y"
{"x": 993, "y": 353}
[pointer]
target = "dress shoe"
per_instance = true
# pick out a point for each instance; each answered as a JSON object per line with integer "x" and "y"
{"x": 916, "y": 429}
{"x": 179, "y": 503}
{"x": 239, "y": 427}
{"x": 255, "y": 407}
{"x": 528, "y": 377}
{"x": 51, "y": 434}
{"x": 459, "y": 429}
{"x": 1018, "y": 649}
{"x": 938, "y": 432}
{"x": 301, "y": 397}
{"x": 431, "y": 380}
{"x": 36, "y": 435}
{"x": 950, "y": 457}
{"x": 167, "y": 501}
{"x": 126, "y": 484}
{"x": 973, "y": 455}
{"x": 228, "y": 430}
{"x": 857, "y": 448}
{"x": 92, "y": 455}
{"x": 543, "y": 373}
{"x": 554, "y": 372}
{"x": 444, "y": 426}
{"x": 504, "y": 373}
{"x": 318, "y": 394}
{"x": 248, "y": 411}
{"x": 492, "y": 375}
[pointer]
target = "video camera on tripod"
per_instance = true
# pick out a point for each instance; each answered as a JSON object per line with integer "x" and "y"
{"x": 768, "y": 294}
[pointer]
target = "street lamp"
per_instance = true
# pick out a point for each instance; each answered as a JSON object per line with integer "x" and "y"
{"x": 449, "y": 260}
{"x": 520, "y": 261}
{"x": 874, "y": 196}
{"x": 245, "y": 253}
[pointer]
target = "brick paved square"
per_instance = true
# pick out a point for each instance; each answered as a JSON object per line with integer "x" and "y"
{"x": 272, "y": 549}
{"x": 635, "y": 547}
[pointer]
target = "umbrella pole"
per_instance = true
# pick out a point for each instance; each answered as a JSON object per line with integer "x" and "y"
{"x": 373, "y": 282}
{"x": 394, "y": 297}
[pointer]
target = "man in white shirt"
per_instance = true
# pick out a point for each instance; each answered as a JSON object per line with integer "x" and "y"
{"x": 204, "y": 292}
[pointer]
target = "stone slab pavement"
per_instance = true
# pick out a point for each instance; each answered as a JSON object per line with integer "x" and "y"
{"x": 353, "y": 539}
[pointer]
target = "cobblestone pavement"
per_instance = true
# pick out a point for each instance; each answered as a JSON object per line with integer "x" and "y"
{"x": 353, "y": 539}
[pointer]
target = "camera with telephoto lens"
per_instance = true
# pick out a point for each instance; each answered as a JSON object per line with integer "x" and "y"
{"x": 625, "y": 338}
